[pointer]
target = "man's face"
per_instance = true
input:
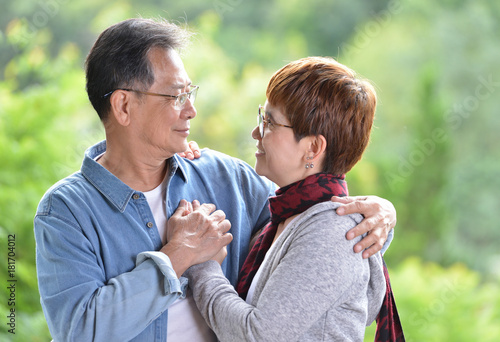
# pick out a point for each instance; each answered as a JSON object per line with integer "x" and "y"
{"x": 160, "y": 128}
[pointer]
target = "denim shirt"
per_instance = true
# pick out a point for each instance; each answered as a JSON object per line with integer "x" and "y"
{"x": 100, "y": 275}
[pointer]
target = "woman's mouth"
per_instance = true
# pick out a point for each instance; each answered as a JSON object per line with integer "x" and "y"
{"x": 259, "y": 152}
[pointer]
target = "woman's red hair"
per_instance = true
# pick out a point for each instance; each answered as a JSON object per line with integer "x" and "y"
{"x": 320, "y": 96}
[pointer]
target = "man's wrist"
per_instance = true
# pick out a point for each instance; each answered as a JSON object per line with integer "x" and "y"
{"x": 179, "y": 256}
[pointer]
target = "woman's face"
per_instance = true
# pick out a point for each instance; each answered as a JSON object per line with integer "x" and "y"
{"x": 280, "y": 158}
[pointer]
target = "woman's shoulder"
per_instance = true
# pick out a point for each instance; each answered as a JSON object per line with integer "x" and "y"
{"x": 320, "y": 224}
{"x": 326, "y": 212}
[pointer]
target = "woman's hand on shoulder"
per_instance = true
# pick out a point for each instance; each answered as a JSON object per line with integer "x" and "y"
{"x": 193, "y": 151}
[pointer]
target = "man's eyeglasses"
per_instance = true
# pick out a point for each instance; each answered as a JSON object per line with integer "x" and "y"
{"x": 180, "y": 99}
{"x": 263, "y": 122}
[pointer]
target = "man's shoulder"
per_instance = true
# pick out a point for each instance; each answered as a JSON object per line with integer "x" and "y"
{"x": 210, "y": 157}
{"x": 65, "y": 188}
{"x": 214, "y": 166}
{"x": 217, "y": 163}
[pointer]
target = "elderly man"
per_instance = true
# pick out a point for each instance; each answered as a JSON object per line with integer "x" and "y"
{"x": 114, "y": 239}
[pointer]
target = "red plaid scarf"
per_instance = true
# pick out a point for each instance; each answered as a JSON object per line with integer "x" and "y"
{"x": 389, "y": 328}
{"x": 294, "y": 199}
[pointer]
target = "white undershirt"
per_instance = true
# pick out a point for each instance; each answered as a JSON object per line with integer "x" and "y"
{"x": 185, "y": 323}
{"x": 255, "y": 279}
{"x": 156, "y": 201}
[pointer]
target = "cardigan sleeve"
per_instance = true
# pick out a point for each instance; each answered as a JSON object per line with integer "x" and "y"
{"x": 315, "y": 273}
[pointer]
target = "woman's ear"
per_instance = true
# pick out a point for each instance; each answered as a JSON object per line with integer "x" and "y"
{"x": 120, "y": 106}
{"x": 317, "y": 145}
{"x": 314, "y": 152}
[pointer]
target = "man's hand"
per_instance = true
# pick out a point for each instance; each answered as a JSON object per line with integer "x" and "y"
{"x": 222, "y": 253}
{"x": 195, "y": 234}
{"x": 193, "y": 151}
{"x": 380, "y": 218}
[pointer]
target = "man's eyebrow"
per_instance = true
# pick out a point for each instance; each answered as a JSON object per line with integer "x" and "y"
{"x": 181, "y": 85}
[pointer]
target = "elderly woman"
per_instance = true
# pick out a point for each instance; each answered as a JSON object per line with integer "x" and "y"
{"x": 302, "y": 281}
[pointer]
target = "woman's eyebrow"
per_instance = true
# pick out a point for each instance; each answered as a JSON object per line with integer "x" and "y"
{"x": 269, "y": 116}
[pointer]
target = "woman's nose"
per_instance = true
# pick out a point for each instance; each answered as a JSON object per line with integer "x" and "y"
{"x": 256, "y": 133}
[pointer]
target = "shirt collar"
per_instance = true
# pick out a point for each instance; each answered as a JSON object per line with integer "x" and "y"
{"x": 177, "y": 165}
{"x": 117, "y": 192}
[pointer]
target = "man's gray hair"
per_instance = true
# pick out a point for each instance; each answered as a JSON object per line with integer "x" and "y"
{"x": 119, "y": 57}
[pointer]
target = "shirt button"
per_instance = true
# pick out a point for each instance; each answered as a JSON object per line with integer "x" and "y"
{"x": 150, "y": 224}
{"x": 136, "y": 196}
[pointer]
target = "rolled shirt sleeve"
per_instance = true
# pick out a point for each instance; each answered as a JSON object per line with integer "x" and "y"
{"x": 172, "y": 285}
{"x": 81, "y": 304}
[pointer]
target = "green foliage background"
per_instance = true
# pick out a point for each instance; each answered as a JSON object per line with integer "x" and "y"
{"x": 434, "y": 152}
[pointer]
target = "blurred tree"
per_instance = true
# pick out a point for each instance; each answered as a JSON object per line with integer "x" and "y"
{"x": 456, "y": 106}
{"x": 44, "y": 128}
{"x": 445, "y": 304}
{"x": 421, "y": 178}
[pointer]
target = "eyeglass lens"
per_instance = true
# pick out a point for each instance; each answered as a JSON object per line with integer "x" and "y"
{"x": 182, "y": 98}
{"x": 260, "y": 121}
{"x": 190, "y": 95}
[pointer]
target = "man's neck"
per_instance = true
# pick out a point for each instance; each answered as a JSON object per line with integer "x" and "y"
{"x": 138, "y": 172}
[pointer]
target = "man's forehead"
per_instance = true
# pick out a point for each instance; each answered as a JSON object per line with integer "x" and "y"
{"x": 168, "y": 68}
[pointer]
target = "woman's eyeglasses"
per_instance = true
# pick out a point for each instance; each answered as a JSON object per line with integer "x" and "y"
{"x": 263, "y": 122}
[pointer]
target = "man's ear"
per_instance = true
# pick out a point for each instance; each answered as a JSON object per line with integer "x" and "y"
{"x": 120, "y": 102}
